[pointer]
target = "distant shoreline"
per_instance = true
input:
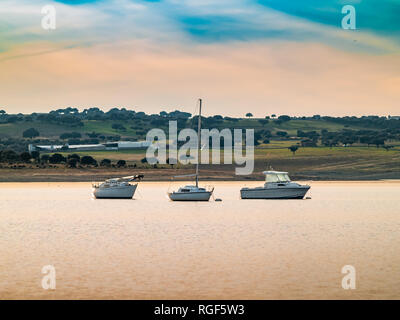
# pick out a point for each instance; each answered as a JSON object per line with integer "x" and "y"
{"x": 166, "y": 175}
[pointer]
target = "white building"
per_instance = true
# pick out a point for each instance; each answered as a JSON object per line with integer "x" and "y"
{"x": 133, "y": 145}
{"x": 119, "y": 145}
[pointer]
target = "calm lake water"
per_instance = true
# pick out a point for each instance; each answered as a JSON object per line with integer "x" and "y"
{"x": 151, "y": 248}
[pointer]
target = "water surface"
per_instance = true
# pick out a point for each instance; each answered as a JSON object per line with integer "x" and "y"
{"x": 151, "y": 248}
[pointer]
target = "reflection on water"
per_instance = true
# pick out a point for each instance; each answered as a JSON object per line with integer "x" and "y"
{"x": 151, "y": 248}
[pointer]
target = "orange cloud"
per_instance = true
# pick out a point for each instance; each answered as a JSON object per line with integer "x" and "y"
{"x": 264, "y": 78}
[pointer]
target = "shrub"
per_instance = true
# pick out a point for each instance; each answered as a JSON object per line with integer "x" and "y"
{"x": 8, "y": 156}
{"x": 45, "y": 158}
{"x": 72, "y": 162}
{"x": 105, "y": 163}
{"x": 88, "y": 160}
{"x": 35, "y": 155}
{"x": 74, "y": 156}
{"x": 118, "y": 126}
{"x": 121, "y": 163}
{"x": 57, "y": 158}
{"x": 25, "y": 156}
{"x": 69, "y": 135}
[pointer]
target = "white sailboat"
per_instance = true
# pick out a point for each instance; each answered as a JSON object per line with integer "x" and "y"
{"x": 118, "y": 188}
{"x": 190, "y": 192}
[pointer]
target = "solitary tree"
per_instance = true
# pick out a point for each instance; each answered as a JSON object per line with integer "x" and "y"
{"x": 387, "y": 148}
{"x": 249, "y": 115}
{"x": 379, "y": 142}
{"x": 293, "y": 148}
{"x": 30, "y": 133}
{"x": 281, "y": 133}
{"x": 284, "y": 118}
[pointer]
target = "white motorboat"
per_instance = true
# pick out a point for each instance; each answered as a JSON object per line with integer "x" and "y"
{"x": 277, "y": 186}
{"x": 190, "y": 192}
{"x": 118, "y": 188}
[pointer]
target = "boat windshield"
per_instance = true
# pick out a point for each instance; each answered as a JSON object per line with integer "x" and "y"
{"x": 277, "y": 177}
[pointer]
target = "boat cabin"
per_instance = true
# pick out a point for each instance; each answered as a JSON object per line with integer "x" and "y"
{"x": 191, "y": 189}
{"x": 276, "y": 177}
{"x": 118, "y": 182}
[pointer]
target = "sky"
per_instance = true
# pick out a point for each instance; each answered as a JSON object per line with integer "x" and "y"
{"x": 260, "y": 56}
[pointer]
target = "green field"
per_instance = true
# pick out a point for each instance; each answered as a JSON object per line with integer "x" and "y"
{"x": 274, "y": 150}
{"x": 127, "y": 155}
{"x": 53, "y": 131}
{"x": 352, "y": 162}
{"x": 316, "y": 163}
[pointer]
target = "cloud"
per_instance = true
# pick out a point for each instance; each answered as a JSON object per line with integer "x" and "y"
{"x": 287, "y": 78}
{"x": 377, "y": 16}
{"x": 237, "y": 54}
{"x": 77, "y": 2}
{"x": 188, "y": 21}
{"x": 299, "y": 21}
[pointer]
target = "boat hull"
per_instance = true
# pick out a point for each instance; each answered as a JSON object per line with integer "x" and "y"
{"x": 121, "y": 192}
{"x": 274, "y": 193}
{"x": 190, "y": 196}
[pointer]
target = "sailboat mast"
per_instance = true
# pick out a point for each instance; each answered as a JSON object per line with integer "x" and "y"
{"x": 198, "y": 144}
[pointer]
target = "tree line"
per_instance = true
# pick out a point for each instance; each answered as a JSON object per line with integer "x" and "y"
{"x": 71, "y": 160}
